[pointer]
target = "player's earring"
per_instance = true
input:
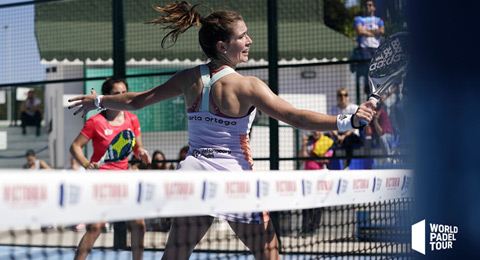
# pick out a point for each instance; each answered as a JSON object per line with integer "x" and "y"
{"x": 225, "y": 52}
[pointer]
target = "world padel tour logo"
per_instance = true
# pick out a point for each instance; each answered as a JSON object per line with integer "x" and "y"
{"x": 69, "y": 194}
{"x": 441, "y": 237}
{"x": 209, "y": 190}
{"x": 146, "y": 192}
{"x": 263, "y": 188}
{"x": 377, "y": 184}
{"x": 342, "y": 186}
{"x": 306, "y": 187}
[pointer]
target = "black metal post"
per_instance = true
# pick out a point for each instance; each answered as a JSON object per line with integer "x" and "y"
{"x": 273, "y": 83}
{"x": 119, "y": 53}
{"x": 119, "y": 70}
{"x": 273, "y": 79}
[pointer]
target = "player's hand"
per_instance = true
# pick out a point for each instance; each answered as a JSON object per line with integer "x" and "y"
{"x": 365, "y": 112}
{"x": 85, "y": 103}
{"x": 92, "y": 166}
{"x": 144, "y": 156}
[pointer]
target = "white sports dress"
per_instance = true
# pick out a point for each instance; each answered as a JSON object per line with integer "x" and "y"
{"x": 219, "y": 142}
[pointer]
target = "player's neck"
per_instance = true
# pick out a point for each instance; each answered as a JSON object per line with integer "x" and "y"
{"x": 214, "y": 65}
{"x": 113, "y": 115}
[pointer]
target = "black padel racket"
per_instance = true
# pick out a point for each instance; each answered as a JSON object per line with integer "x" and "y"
{"x": 388, "y": 66}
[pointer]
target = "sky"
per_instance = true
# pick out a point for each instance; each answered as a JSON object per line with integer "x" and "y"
{"x": 349, "y": 3}
{"x": 22, "y": 57}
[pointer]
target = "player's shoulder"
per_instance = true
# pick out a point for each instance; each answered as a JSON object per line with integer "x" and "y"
{"x": 248, "y": 80}
{"x": 186, "y": 77}
{"x": 130, "y": 114}
{"x": 188, "y": 74}
{"x": 96, "y": 118}
{"x": 248, "y": 84}
{"x": 132, "y": 117}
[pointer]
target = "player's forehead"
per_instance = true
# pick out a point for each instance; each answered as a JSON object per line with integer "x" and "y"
{"x": 119, "y": 87}
{"x": 239, "y": 28}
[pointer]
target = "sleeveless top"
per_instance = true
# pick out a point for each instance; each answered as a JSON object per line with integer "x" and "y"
{"x": 220, "y": 141}
{"x": 36, "y": 166}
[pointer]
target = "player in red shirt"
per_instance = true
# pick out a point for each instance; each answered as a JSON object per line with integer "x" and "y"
{"x": 101, "y": 129}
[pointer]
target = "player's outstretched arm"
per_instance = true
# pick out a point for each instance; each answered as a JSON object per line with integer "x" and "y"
{"x": 271, "y": 104}
{"x": 129, "y": 100}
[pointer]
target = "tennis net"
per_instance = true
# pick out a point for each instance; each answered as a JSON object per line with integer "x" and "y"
{"x": 315, "y": 214}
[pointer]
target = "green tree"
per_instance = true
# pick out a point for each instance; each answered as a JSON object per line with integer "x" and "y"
{"x": 340, "y": 18}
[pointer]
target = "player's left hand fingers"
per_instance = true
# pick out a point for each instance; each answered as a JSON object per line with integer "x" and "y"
{"x": 78, "y": 110}
{"x": 145, "y": 157}
{"x": 95, "y": 165}
{"x": 76, "y": 104}
{"x": 77, "y": 98}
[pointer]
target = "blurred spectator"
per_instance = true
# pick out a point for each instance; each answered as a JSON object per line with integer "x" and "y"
{"x": 33, "y": 163}
{"x": 182, "y": 154}
{"x": 315, "y": 145}
{"x": 31, "y": 112}
{"x": 349, "y": 139}
{"x": 369, "y": 29}
{"x": 380, "y": 129}
{"x": 158, "y": 163}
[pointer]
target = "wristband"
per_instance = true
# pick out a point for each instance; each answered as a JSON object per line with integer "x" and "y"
{"x": 344, "y": 123}
{"x": 98, "y": 102}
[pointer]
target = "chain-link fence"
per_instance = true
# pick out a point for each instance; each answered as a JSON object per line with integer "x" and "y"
{"x": 306, "y": 50}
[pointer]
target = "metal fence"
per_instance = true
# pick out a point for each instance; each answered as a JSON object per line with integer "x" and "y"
{"x": 305, "y": 50}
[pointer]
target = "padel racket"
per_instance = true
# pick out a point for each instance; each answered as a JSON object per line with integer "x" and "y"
{"x": 120, "y": 147}
{"x": 388, "y": 65}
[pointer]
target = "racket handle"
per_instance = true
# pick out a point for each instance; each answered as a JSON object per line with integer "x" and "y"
{"x": 373, "y": 98}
